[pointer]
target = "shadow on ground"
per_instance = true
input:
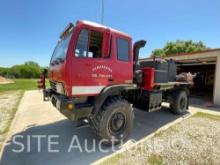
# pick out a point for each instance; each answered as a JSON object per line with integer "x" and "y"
{"x": 145, "y": 124}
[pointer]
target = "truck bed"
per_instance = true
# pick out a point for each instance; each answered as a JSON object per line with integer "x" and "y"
{"x": 170, "y": 85}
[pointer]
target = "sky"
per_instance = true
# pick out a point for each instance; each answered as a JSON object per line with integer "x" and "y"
{"x": 30, "y": 29}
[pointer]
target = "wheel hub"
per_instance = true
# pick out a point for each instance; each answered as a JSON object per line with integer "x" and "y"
{"x": 117, "y": 122}
{"x": 182, "y": 103}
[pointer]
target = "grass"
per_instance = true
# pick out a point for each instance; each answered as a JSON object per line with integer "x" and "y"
{"x": 206, "y": 115}
{"x": 20, "y": 84}
{"x": 10, "y": 96}
{"x": 9, "y": 101}
{"x": 155, "y": 159}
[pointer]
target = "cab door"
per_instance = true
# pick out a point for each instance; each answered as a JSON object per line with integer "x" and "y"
{"x": 92, "y": 69}
{"x": 123, "y": 65}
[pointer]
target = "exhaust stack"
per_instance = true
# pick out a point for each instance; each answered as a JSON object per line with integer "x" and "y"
{"x": 137, "y": 46}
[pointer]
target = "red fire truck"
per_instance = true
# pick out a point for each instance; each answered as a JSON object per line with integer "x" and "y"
{"x": 97, "y": 79}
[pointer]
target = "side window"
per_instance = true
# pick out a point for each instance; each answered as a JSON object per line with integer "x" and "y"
{"x": 123, "y": 49}
{"x": 95, "y": 44}
{"x": 89, "y": 44}
{"x": 82, "y": 44}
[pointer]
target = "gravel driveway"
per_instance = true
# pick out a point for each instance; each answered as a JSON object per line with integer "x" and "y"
{"x": 195, "y": 140}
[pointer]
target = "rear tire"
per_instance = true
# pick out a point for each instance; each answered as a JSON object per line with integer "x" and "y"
{"x": 179, "y": 102}
{"x": 114, "y": 121}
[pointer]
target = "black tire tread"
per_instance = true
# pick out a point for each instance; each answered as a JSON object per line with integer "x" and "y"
{"x": 174, "y": 107}
{"x": 99, "y": 117}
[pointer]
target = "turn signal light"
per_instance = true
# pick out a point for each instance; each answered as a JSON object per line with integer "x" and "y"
{"x": 70, "y": 106}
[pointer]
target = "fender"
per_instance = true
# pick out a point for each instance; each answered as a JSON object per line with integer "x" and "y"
{"x": 110, "y": 91}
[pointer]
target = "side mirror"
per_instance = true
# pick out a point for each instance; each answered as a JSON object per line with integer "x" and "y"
{"x": 106, "y": 43}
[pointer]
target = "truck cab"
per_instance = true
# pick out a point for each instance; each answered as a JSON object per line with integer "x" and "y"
{"x": 89, "y": 57}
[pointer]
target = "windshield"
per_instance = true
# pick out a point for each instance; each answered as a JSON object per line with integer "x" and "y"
{"x": 60, "y": 51}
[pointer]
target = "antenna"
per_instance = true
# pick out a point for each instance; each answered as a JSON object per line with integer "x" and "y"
{"x": 102, "y": 12}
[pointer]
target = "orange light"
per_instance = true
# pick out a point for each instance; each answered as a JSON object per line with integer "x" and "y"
{"x": 70, "y": 106}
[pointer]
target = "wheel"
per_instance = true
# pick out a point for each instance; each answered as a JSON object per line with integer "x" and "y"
{"x": 179, "y": 102}
{"x": 114, "y": 121}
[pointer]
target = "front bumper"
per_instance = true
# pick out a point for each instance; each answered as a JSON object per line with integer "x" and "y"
{"x": 80, "y": 110}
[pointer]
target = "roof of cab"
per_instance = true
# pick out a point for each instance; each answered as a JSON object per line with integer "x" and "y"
{"x": 102, "y": 26}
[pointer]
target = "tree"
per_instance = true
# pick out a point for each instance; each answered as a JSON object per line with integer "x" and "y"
{"x": 32, "y": 63}
{"x": 29, "y": 69}
{"x": 178, "y": 47}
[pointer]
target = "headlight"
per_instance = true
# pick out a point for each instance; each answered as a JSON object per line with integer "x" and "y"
{"x": 59, "y": 88}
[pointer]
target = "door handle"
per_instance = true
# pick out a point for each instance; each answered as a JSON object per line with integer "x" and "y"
{"x": 88, "y": 64}
{"x": 110, "y": 79}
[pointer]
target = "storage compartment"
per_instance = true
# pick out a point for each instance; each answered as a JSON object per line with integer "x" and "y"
{"x": 160, "y": 69}
{"x": 172, "y": 70}
{"x": 149, "y": 101}
{"x": 164, "y": 70}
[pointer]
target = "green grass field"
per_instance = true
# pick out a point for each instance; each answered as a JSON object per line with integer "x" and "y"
{"x": 20, "y": 84}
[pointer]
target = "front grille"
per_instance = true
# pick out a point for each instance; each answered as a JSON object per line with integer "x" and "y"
{"x": 53, "y": 85}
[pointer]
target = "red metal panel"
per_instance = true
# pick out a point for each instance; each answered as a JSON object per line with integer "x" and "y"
{"x": 148, "y": 82}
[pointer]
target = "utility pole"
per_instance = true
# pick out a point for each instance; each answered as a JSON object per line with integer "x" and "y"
{"x": 102, "y": 12}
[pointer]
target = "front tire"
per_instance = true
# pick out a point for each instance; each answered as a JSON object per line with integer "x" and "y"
{"x": 114, "y": 121}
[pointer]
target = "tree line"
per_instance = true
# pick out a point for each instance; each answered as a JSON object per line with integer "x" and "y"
{"x": 179, "y": 47}
{"x": 29, "y": 69}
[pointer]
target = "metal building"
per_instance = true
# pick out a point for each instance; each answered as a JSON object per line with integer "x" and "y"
{"x": 206, "y": 65}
